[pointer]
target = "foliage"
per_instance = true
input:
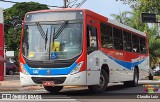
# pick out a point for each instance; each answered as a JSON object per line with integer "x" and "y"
{"x": 150, "y": 6}
{"x": 127, "y": 1}
{"x": 154, "y": 45}
{"x": 132, "y": 19}
{"x": 121, "y": 17}
{"x": 13, "y": 19}
{"x": 157, "y": 74}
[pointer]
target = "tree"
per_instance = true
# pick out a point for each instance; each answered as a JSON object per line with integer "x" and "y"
{"x": 154, "y": 44}
{"x": 132, "y": 19}
{"x": 121, "y": 17}
{"x": 127, "y": 1}
{"x": 13, "y": 19}
{"x": 150, "y": 6}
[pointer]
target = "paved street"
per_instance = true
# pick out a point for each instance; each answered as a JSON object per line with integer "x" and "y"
{"x": 71, "y": 94}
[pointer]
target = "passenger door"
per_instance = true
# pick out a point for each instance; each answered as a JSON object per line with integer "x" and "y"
{"x": 93, "y": 64}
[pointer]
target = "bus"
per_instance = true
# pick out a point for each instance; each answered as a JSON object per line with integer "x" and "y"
{"x": 1, "y": 46}
{"x": 78, "y": 47}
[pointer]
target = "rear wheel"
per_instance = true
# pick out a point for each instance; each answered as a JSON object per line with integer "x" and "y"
{"x": 103, "y": 83}
{"x": 133, "y": 83}
{"x": 136, "y": 77}
{"x": 54, "y": 89}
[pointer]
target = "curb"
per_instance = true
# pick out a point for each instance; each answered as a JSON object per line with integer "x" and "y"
{"x": 20, "y": 88}
{"x": 8, "y": 89}
{"x": 29, "y": 88}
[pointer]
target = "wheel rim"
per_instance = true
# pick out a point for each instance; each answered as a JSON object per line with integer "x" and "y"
{"x": 101, "y": 82}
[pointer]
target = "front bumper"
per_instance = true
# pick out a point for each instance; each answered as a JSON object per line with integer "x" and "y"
{"x": 59, "y": 80}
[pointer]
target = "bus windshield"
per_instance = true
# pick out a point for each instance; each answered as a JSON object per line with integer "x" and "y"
{"x": 52, "y": 40}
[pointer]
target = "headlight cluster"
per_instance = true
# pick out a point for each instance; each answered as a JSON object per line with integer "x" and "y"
{"x": 77, "y": 68}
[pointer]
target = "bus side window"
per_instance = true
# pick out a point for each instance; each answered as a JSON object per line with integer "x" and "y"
{"x": 127, "y": 41}
{"x": 135, "y": 41}
{"x": 143, "y": 48}
{"x": 106, "y": 36}
{"x": 91, "y": 36}
{"x": 118, "y": 38}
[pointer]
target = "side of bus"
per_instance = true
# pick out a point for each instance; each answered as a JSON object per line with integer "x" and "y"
{"x": 115, "y": 52}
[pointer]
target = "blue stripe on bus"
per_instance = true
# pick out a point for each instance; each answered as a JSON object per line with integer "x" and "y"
{"x": 53, "y": 71}
{"x": 128, "y": 65}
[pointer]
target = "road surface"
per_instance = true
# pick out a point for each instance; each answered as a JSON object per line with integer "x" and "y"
{"x": 114, "y": 92}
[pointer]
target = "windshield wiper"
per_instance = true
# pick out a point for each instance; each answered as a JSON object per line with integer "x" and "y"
{"x": 41, "y": 30}
{"x": 43, "y": 34}
{"x": 55, "y": 34}
{"x": 46, "y": 39}
{"x": 61, "y": 28}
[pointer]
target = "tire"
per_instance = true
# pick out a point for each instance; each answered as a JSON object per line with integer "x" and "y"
{"x": 136, "y": 78}
{"x": 54, "y": 89}
{"x": 133, "y": 83}
{"x": 11, "y": 72}
{"x": 104, "y": 80}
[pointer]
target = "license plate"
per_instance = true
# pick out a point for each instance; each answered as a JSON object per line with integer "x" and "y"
{"x": 48, "y": 83}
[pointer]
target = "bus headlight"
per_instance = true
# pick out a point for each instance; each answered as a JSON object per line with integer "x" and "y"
{"x": 24, "y": 71}
{"x": 77, "y": 68}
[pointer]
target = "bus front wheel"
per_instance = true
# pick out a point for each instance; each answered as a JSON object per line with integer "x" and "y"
{"x": 52, "y": 89}
{"x": 102, "y": 84}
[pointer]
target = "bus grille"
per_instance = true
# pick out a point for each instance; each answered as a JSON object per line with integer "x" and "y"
{"x": 57, "y": 80}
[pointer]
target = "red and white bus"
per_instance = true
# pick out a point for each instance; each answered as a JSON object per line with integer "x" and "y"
{"x": 1, "y": 45}
{"x": 80, "y": 47}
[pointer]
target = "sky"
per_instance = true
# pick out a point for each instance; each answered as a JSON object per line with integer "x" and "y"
{"x": 103, "y": 7}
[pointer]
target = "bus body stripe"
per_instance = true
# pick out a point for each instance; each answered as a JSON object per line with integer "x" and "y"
{"x": 53, "y": 71}
{"x": 125, "y": 64}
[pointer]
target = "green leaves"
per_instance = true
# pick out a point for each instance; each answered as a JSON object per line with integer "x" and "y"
{"x": 121, "y": 17}
{"x": 13, "y": 18}
{"x": 150, "y": 6}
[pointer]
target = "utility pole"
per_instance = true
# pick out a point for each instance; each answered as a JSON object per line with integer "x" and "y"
{"x": 65, "y": 3}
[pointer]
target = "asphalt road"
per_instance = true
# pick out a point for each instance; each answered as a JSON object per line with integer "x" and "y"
{"x": 114, "y": 92}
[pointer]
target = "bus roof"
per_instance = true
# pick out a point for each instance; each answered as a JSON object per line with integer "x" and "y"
{"x": 53, "y": 10}
{"x": 126, "y": 27}
{"x": 104, "y": 18}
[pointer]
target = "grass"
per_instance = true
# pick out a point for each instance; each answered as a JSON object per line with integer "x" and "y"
{"x": 157, "y": 74}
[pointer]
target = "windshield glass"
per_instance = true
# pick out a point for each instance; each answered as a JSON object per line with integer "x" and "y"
{"x": 52, "y": 41}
